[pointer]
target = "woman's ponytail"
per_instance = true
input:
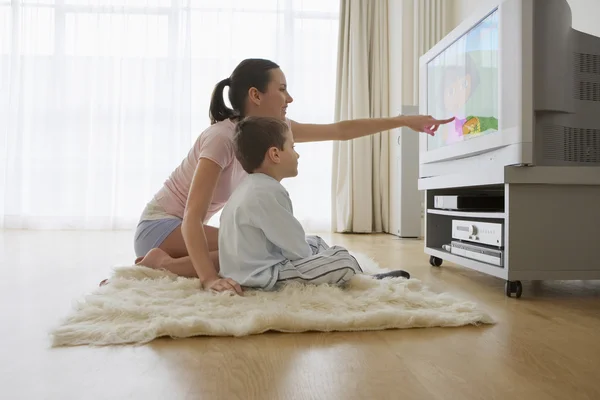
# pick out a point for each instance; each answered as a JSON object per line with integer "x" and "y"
{"x": 252, "y": 72}
{"x": 218, "y": 111}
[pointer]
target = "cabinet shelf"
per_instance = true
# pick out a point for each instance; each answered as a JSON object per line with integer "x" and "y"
{"x": 468, "y": 214}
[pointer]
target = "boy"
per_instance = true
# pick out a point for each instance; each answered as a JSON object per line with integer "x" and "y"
{"x": 261, "y": 243}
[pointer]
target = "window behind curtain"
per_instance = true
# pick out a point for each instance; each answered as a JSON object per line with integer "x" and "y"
{"x": 101, "y": 99}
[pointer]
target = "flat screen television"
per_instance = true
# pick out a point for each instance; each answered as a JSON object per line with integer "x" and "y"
{"x": 523, "y": 85}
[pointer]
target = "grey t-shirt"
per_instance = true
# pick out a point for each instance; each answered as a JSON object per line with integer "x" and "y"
{"x": 258, "y": 231}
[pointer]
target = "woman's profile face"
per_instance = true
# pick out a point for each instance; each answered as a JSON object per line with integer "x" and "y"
{"x": 274, "y": 101}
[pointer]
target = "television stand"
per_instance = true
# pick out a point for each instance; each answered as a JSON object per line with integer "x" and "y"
{"x": 550, "y": 223}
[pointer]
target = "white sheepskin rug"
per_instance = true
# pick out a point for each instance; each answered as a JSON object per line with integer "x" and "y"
{"x": 141, "y": 304}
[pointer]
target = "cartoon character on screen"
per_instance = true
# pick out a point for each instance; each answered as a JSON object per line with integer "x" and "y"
{"x": 459, "y": 85}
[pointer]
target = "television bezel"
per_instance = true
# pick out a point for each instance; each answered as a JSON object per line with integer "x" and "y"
{"x": 515, "y": 80}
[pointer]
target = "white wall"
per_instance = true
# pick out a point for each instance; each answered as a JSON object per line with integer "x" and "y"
{"x": 585, "y": 16}
{"x": 585, "y": 13}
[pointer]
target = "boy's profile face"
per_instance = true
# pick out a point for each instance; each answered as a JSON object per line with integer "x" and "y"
{"x": 289, "y": 156}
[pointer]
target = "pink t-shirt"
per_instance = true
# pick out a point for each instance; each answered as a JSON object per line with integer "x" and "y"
{"x": 215, "y": 144}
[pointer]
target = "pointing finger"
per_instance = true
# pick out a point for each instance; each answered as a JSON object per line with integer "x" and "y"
{"x": 443, "y": 121}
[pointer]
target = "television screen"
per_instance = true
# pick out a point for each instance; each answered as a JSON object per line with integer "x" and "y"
{"x": 462, "y": 82}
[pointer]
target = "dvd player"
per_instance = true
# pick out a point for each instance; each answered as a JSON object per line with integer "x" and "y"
{"x": 482, "y": 202}
{"x": 489, "y": 233}
{"x": 476, "y": 252}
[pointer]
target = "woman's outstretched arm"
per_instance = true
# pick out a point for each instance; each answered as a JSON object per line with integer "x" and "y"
{"x": 352, "y": 129}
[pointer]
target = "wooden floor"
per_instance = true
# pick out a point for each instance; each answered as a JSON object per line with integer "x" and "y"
{"x": 545, "y": 346}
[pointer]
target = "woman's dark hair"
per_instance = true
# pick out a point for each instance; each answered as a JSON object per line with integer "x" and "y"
{"x": 254, "y": 136}
{"x": 252, "y": 72}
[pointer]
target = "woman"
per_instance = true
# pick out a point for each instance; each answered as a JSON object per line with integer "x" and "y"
{"x": 172, "y": 233}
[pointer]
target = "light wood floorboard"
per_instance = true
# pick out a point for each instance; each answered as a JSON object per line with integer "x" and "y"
{"x": 545, "y": 346}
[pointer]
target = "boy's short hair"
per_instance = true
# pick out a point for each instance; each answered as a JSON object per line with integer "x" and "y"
{"x": 254, "y": 136}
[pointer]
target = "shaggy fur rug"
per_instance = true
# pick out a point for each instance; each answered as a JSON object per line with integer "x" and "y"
{"x": 141, "y": 304}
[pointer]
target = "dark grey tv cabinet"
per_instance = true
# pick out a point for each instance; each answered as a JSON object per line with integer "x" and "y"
{"x": 551, "y": 222}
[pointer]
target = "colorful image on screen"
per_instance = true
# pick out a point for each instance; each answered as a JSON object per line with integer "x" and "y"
{"x": 462, "y": 82}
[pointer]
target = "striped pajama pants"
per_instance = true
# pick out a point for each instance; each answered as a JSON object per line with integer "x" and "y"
{"x": 333, "y": 265}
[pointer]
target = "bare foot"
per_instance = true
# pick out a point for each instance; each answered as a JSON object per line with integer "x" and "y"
{"x": 156, "y": 259}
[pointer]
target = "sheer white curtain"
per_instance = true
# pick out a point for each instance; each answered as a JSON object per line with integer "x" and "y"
{"x": 300, "y": 36}
{"x": 361, "y": 166}
{"x": 100, "y": 99}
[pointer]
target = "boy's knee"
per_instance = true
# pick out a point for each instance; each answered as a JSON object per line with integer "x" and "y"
{"x": 345, "y": 255}
{"x": 316, "y": 242}
{"x": 320, "y": 240}
{"x": 339, "y": 250}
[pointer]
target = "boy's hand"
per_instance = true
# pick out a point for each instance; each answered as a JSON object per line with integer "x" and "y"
{"x": 223, "y": 284}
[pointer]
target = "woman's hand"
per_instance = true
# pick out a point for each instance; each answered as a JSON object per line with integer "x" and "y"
{"x": 219, "y": 284}
{"x": 424, "y": 123}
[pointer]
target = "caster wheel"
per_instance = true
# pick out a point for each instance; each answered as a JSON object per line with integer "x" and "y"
{"x": 435, "y": 261}
{"x": 513, "y": 287}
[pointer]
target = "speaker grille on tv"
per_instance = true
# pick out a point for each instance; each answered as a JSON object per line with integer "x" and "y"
{"x": 588, "y": 91}
{"x": 588, "y": 63}
{"x": 563, "y": 143}
{"x": 587, "y": 77}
